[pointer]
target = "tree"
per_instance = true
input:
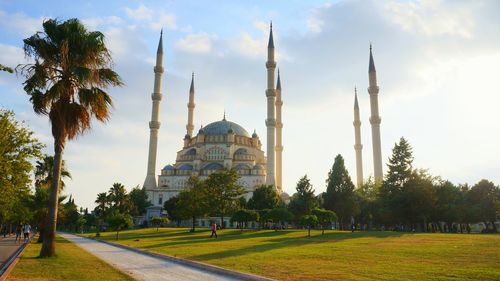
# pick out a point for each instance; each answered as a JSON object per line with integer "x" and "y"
{"x": 279, "y": 216}
{"x": 118, "y": 221}
{"x": 222, "y": 191}
{"x": 44, "y": 171}
{"x": 368, "y": 202}
{"x": 139, "y": 201}
{"x": 399, "y": 172}
{"x": 243, "y": 216}
{"x": 339, "y": 196}
{"x": 303, "y": 201}
{"x": 192, "y": 202}
{"x": 325, "y": 218}
{"x": 264, "y": 197}
{"x": 5, "y": 68}
{"x": 119, "y": 198}
{"x": 18, "y": 147}
{"x": 157, "y": 221}
{"x": 170, "y": 206}
{"x": 67, "y": 82}
{"x": 308, "y": 221}
{"x": 43, "y": 180}
{"x": 484, "y": 198}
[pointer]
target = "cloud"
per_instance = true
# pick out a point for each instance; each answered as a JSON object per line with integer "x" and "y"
{"x": 20, "y": 23}
{"x": 154, "y": 19}
{"x": 140, "y": 13}
{"x": 433, "y": 17}
{"x": 315, "y": 22}
{"x": 97, "y": 22}
{"x": 199, "y": 43}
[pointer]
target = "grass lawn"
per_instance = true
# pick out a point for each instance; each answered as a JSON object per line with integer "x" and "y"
{"x": 291, "y": 255}
{"x": 71, "y": 263}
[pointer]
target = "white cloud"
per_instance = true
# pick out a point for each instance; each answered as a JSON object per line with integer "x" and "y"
{"x": 155, "y": 19}
{"x": 140, "y": 13}
{"x": 20, "y": 23}
{"x": 95, "y": 23}
{"x": 432, "y": 17}
{"x": 11, "y": 55}
{"x": 200, "y": 43}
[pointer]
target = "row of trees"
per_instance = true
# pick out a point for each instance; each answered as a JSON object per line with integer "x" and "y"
{"x": 407, "y": 199}
{"x": 410, "y": 198}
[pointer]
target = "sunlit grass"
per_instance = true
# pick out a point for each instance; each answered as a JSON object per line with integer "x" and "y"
{"x": 71, "y": 263}
{"x": 290, "y": 255}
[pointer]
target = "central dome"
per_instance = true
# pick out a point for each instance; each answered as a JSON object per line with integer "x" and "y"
{"x": 222, "y": 127}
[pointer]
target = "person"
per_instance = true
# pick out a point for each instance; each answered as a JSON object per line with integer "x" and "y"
{"x": 353, "y": 225}
{"x": 26, "y": 231}
{"x": 18, "y": 232}
{"x": 214, "y": 230}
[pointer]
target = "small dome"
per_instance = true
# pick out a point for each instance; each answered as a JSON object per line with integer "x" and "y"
{"x": 168, "y": 168}
{"x": 258, "y": 167}
{"x": 186, "y": 167}
{"x": 201, "y": 131}
{"x": 213, "y": 166}
{"x": 254, "y": 135}
{"x": 187, "y": 136}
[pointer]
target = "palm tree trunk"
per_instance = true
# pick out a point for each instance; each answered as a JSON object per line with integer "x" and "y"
{"x": 49, "y": 243}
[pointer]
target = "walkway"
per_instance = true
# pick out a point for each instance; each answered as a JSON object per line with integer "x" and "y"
{"x": 8, "y": 246}
{"x": 142, "y": 267}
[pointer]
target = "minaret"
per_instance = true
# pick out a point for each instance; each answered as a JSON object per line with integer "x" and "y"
{"x": 154, "y": 125}
{"x": 190, "y": 105}
{"x": 358, "y": 147}
{"x": 279, "y": 127}
{"x": 270, "y": 121}
{"x": 375, "y": 120}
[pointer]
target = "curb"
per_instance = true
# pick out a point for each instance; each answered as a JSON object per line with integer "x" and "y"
{"x": 190, "y": 263}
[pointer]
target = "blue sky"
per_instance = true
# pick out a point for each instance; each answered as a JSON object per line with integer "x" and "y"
{"x": 437, "y": 65}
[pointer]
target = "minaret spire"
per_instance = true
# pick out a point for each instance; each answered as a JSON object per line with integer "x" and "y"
{"x": 270, "y": 121}
{"x": 375, "y": 119}
{"x": 358, "y": 147}
{"x": 154, "y": 124}
{"x": 279, "y": 127}
{"x": 191, "y": 105}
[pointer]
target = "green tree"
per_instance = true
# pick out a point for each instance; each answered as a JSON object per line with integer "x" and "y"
{"x": 5, "y": 68}
{"x": 119, "y": 198}
{"x": 171, "y": 206}
{"x": 193, "y": 201}
{"x": 18, "y": 147}
{"x": 484, "y": 199}
{"x": 67, "y": 82}
{"x": 279, "y": 216}
{"x": 368, "y": 202}
{"x": 399, "y": 172}
{"x": 264, "y": 197}
{"x": 139, "y": 201}
{"x": 243, "y": 216}
{"x": 325, "y": 218}
{"x": 339, "y": 196}
{"x": 118, "y": 221}
{"x": 309, "y": 221}
{"x": 43, "y": 180}
{"x": 303, "y": 201}
{"x": 157, "y": 221}
{"x": 416, "y": 201}
{"x": 222, "y": 191}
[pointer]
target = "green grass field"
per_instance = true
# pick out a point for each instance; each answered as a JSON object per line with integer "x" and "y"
{"x": 290, "y": 255}
{"x": 71, "y": 263}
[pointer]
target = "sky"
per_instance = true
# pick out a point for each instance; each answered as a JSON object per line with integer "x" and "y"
{"x": 437, "y": 67}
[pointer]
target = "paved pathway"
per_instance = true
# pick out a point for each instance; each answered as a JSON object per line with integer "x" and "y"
{"x": 142, "y": 267}
{"x": 8, "y": 246}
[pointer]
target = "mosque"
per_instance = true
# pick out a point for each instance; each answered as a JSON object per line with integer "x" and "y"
{"x": 219, "y": 145}
{"x": 225, "y": 144}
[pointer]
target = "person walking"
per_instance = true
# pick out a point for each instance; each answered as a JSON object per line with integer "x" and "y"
{"x": 26, "y": 231}
{"x": 19, "y": 229}
{"x": 214, "y": 230}
{"x": 353, "y": 224}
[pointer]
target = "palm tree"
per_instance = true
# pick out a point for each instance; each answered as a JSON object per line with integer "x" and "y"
{"x": 118, "y": 196}
{"x": 71, "y": 69}
{"x": 44, "y": 171}
{"x": 43, "y": 180}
